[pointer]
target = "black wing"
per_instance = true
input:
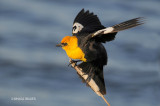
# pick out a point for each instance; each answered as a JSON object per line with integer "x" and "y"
{"x": 86, "y": 22}
{"x": 108, "y": 34}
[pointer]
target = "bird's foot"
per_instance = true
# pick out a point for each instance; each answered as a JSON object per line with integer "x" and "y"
{"x": 73, "y": 62}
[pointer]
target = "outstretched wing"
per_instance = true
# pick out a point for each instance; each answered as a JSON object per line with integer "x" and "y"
{"x": 108, "y": 34}
{"x": 86, "y": 22}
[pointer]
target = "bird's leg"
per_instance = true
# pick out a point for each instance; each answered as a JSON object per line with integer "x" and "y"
{"x": 73, "y": 61}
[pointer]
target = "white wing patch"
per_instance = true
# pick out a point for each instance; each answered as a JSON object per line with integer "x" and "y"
{"x": 104, "y": 31}
{"x": 77, "y": 27}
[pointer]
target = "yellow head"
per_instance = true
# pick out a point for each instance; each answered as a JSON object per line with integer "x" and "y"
{"x": 69, "y": 43}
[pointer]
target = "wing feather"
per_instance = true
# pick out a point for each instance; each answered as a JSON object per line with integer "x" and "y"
{"x": 88, "y": 21}
{"x": 120, "y": 27}
{"x": 108, "y": 34}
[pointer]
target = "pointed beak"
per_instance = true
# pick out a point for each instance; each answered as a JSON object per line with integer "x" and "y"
{"x": 61, "y": 44}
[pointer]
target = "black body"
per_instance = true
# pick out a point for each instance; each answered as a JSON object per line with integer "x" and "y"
{"x": 91, "y": 34}
{"x": 93, "y": 49}
{"x": 96, "y": 56}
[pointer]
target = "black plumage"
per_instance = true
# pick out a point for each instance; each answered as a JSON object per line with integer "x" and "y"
{"x": 92, "y": 47}
{"x": 86, "y": 45}
{"x": 90, "y": 22}
{"x": 94, "y": 51}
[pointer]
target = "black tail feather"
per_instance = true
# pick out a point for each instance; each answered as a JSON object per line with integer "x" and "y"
{"x": 95, "y": 72}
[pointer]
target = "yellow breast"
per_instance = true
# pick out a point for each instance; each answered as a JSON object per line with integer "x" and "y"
{"x": 76, "y": 54}
{"x": 72, "y": 49}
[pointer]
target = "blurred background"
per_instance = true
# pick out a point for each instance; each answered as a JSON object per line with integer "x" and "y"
{"x": 31, "y": 65}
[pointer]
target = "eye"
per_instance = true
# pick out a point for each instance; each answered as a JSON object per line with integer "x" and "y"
{"x": 64, "y": 44}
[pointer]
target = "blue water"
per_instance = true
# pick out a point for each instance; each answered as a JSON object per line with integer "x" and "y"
{"x": 31, "y": 65}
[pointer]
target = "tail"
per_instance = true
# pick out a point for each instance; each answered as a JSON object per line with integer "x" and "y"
{"x": 88, "y": 69}
{"x": 94, "y": 74}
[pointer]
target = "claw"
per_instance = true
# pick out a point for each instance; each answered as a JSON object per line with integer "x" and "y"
{"x": 73, "y": 61}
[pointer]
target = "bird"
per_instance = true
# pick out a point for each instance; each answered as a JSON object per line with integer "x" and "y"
{"x": 86, "y": 44}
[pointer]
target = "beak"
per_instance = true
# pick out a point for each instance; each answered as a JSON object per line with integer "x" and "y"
{"x": 61, "y": 44}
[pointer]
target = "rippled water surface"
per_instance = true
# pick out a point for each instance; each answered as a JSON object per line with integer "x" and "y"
{"x": 31, "y": 65}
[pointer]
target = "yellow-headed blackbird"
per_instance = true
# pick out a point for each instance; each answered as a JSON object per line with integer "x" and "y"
{"x": 85, "y": 44}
